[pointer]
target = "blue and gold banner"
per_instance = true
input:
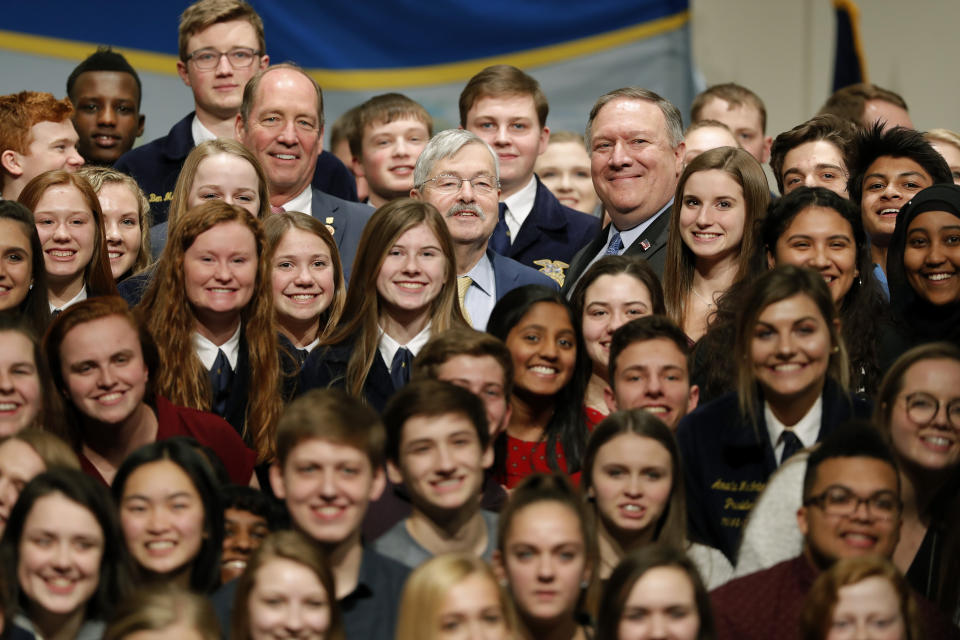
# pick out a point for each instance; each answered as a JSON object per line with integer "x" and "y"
{"x": 577, "y": 50}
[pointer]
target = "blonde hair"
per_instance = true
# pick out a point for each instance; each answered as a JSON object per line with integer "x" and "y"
{"x": 428, "y": 586}
{"x": 100, "y": 176}
{"x": 362, "y": 308}
{"x": 161, "y": 606}
{"x": 52, "y": 449}
{"x": 180, "y": 202}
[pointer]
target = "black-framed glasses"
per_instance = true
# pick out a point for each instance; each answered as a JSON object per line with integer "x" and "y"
{"x": 922, "y": 408}
{"x": 450, "y": 184}
{"x": 209, "y": 58}
{"x": 838, "y": 500}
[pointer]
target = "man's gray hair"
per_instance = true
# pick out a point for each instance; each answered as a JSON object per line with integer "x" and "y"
{"x": 670, "y": 113}
{"x": 447, "y": 144}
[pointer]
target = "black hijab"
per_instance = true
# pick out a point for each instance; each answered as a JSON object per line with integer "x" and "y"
{"x": 919, "y": 320}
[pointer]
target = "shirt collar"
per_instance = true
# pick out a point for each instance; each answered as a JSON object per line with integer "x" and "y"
{"x": 807, "y": 429}
{"x": 200, "y": 133}
{"x": 630, "y": 236}
{"x": 388, "y": 347}
{"x": 82, "y": 295}
{"x": 482, "y": 275}
{"x": 303, "y": 202}
{"x": 520, "y": 204}
{"x": 207, "y": 351}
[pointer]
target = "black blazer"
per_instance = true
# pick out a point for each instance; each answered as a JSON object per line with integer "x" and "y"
{"x": 326, "y": 366}
{"x": 651, "y": 246}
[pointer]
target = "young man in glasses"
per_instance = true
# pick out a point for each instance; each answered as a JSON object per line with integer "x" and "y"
{"x": 221, "y": 46}
{"x": 458, "y": 173}
{"x": 851, "y": 507}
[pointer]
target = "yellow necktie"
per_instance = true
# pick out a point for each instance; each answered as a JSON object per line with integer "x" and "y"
{"x": 463, "y": 283}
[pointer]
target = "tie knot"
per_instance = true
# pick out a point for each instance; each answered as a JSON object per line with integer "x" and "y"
{"x": 616, "y": 244}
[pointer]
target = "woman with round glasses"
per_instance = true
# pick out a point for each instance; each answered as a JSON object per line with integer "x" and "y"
{"x": 918, "y": 406}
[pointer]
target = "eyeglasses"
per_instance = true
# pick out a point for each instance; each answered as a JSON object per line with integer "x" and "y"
{"x": 838, "y": 500}
{"x": 451, "y": 184}
{"x": 209, "y": 58}
{"x": 922, "y": 408}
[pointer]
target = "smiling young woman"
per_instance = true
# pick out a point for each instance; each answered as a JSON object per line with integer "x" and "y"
{"x": 70, "y": 226}
{"x": 923, "y": 269}
{"x": 712, "y": 242}
{"x": 102, "y": 362}
{"x": 817, "y": 229}
{"x": 64, "y": 562}
{"x": 23, "y": 276}
{"x": 792, "y": 376}
{"x": 546, "y": 431}
{"x": 209, "y": 311}
{"x": 402, "y": 291}
{"x": 918, "y": 406}
{"x": 171, "y": 515}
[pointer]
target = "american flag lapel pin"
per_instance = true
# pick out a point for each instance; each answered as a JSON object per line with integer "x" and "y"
{"x": 644, "y": 244}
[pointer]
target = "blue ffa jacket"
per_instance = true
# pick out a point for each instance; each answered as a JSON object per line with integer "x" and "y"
{"x": 550, "y": 236}
{"x": 156, "y": 165}
{"x": 326, "y": 366}
{"x": 726, "y": 464}
{"x": 345, "y": 221}
{"x": 509, "y": 274}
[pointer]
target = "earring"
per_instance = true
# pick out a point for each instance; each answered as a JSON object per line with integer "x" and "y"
{"x": 584, "y": 584}
{"x": 836, "y": 348}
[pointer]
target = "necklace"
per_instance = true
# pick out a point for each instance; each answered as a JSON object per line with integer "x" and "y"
{"x": 709, "y": 303}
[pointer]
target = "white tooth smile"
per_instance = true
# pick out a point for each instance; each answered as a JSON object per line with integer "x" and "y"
{"x": 285, "y": 156}
{"x": 113, "y": 255}
{"x": 655, "y": 409}
{"x": 937, "y": 277}
{"x": 631, "y": 507}
{"x": 544, "y": 370}
{"x": 411, "y": 285}
{"x": 304, "y": 296}
{"x": 937, "y": 441}
{"x": 889, "y": 212}
{"x": 8, "y": 406}
{"x": 160, "y": 545}
{"x": 218, "y": 290}
{"x": 61, "y": 254}
{"x": 788, "y": 366}
{"x": 110, "y": 397}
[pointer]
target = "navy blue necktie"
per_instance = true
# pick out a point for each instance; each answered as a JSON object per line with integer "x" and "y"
{"x": 221, "y": 377}
{"x": 500, "y": 240}
{"x": 400, "y": 369}
{"x": 791, "y": 444}
{"x": 616, "y": 244}
{"x": 301, "y": 356}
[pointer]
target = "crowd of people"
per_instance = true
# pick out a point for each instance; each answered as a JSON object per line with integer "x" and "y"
{"x": 488, "y": 383}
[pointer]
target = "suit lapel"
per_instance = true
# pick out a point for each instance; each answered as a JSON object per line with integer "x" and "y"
{"x": 325, "y": 210}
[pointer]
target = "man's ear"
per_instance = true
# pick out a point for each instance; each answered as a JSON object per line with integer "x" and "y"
{"x": 10, "y": 160}
{"x": 610, "y": 399}
{"x": 141, "y": 124}
{"x": 678, "y": 154}
{"x": 357, "y": 167}
{"x": 544, "y": 140}
{"x": 488, "y": 454}
{"x": 767, "y": 143}
{"x": 182, "y": 72}
{"x": 238, "y": 129}
{"x": 393, "y": 473}
{"x": 276, "y": 481}
{"x": 378, "y": 484}
{"x": 802, "y": 523}
{"x": 693, "y": 398}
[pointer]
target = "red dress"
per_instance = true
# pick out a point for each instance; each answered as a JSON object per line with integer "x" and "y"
{"x": 525, "y": 458}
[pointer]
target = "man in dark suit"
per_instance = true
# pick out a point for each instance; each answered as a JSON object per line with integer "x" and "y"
{"x": 636, "y": 147}
{"x": 221, "y": 46}
{"x": 458, "y": 173}
{"x": 281, "y": 123}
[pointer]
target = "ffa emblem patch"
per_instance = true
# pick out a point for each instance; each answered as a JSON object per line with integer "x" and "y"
{"x": 328, "y": 223}
{"x": 552, "y": 268}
